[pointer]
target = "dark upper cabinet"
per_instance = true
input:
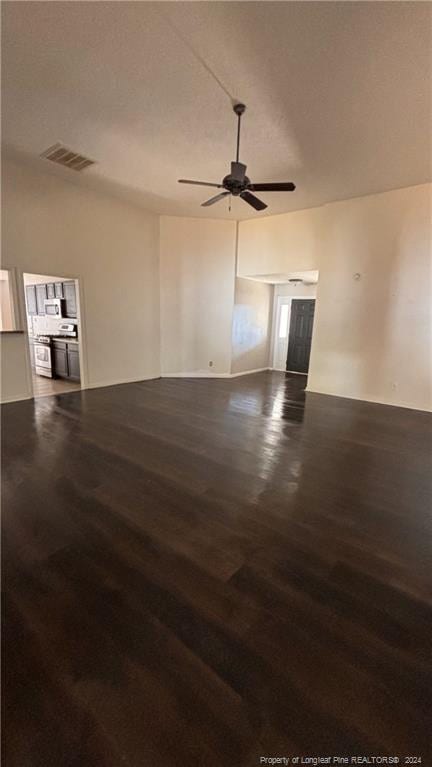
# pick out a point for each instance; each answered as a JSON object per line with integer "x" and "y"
{"x": 31, "y": 300}
{"x": 58, "y": 289}
{"x": 73, "y": 363}
{"x": 41, "y": 295}
{"x": 50, "y": 290}
{"x": 69, "y": 294}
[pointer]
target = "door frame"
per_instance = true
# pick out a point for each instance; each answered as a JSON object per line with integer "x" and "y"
{"x": 281, "y": 300}
{"x": 82, "y": 335}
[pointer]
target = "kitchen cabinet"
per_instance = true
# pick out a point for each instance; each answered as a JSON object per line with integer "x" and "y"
{"x": 73, "y": 362}
{"x": 69, "y": 294}
{"x": 41, "y": 295}
{"x": 50, "y": 289}
{"x": 31, "y": 300}
{"x": 65, "y": 357}
{"x": 59, "y": 360}
{"x": 58, "y": 289}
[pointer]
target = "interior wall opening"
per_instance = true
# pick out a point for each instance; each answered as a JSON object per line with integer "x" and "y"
{"x": 54, "y": 333}
{"x": 293, "y": 319}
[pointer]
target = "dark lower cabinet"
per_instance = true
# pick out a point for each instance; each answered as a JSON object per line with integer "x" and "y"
{"x": 66, "y": 361}
{"x": 60, "y": 362}
{"x": 73, "y": 363}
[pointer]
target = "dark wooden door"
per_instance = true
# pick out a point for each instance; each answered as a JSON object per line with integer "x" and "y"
{"x": 300, "y": 334}
{"x": 41, "y": 295}
{"x": 31, "y": 300}
{"x": 70, "y": 298}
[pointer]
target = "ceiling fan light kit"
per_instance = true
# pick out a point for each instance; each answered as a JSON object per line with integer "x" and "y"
{"x": 236, "y": 183}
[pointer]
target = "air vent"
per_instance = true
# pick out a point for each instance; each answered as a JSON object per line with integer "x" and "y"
{"x": 69, "y": 159}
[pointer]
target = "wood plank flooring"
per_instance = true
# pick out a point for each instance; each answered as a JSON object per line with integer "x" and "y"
{"x": 204, "y": 572}
{"x": 48, "y": 386}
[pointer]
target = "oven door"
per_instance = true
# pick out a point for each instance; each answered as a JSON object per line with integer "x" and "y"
{"x": 43, "y": 364}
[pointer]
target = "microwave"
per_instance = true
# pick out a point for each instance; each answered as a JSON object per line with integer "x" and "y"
{"x": 54, "y": 307}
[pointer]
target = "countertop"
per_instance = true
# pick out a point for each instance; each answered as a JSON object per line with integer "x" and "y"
{"x": 66, "y": 339}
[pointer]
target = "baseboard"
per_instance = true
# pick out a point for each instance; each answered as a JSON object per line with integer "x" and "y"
{"x": 205, "y": 374}
{"x": 249, "y": 372}
{"x": 15, "y": 399}
{"x": 118, "y": 382}
{"x": 196, "y": 374}
{"x": 372, "y": 401}
{"x": 291, "y": 372}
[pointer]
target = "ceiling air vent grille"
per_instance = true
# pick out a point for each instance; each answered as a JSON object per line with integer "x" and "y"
{"x": 63, "y": 156}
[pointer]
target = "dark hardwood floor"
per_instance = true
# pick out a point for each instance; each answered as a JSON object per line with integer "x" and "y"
{"x": 204, "y": 572}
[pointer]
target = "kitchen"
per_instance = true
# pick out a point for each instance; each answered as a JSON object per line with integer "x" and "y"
{"x": 53, "y": 323}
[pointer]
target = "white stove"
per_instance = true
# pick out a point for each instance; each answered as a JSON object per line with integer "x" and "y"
{"x": 42, "y": 345}
{"x": 43, "y": 360}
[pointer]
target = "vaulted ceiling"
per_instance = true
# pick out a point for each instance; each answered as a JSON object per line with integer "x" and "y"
{"x": 338, "y": 96}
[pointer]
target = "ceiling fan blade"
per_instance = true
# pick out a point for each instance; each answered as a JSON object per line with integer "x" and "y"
{"x": 212, "y": 200}
{"x": 283, "y": 186}
{"x": 238, "y": 171}
{"x": 252, "y": 200}
{"x": 199, "y": 183}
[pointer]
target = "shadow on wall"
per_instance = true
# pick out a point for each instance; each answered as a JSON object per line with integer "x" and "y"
{"x": 251, "y": 325}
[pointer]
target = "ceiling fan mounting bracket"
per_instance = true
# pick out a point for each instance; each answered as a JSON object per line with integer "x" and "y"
{"x": 239, "y": 109}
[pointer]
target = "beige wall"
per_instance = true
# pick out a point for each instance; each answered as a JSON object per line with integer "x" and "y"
{"x": 197, "y": 274}
{"x": 372, "y": 336}
{"x": 51, "y": 226}
{"x": 15, "y": 369}
{"x": 6, "y": 314}
{"x": 285, "y": 243}
{"x": 251, "y": 333}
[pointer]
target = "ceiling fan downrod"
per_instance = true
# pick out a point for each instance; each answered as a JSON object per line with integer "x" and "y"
{"x": 239, "y": 109}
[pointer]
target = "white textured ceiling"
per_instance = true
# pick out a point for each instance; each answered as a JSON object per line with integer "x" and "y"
{"x": 338, "y": 96}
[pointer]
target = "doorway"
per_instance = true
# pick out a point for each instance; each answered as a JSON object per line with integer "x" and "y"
{"x": 293, "y": 327}
{"x": 300, "y": 335}
{"x": 53, "y": 333}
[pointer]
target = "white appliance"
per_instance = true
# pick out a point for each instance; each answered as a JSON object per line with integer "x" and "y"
{"x": 54, "y": 307}
{"x": 42, "y": 351}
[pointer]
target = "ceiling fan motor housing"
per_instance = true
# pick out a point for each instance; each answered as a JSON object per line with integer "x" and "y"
{"x": 234, "y": 186}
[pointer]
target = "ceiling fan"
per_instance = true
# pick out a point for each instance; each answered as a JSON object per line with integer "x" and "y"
{"x": 237, "y": 183}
